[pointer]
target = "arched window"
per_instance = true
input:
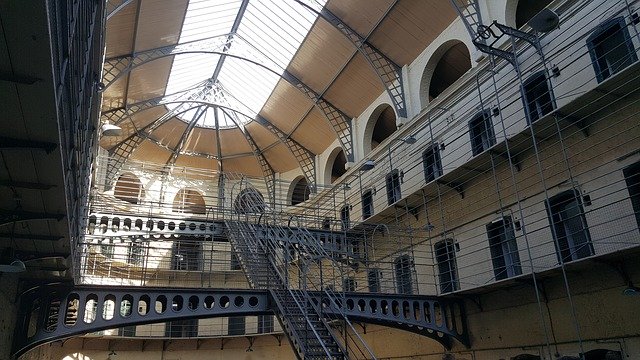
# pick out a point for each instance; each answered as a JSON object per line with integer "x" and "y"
{"x": 450, "y": 66}
{"x": 385, "y": 125}
{"x": 338, "y": 165}
{"x": 249, "y": 201}
{"x": 300, "y": 191}
{"x": 527, "y": 9}
{"x": 129, "y": 188}
{"x": 189, "y": 201}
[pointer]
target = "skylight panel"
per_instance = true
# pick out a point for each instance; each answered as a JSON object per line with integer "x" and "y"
{"x": 273, "y": 28}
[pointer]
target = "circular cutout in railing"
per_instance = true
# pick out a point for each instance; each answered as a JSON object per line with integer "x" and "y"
{"x": 224, "y": 302}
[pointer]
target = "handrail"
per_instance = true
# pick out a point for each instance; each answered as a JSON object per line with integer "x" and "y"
{"x": 312, "y": 247}
{"x": 331, "y": 294}
{"x": 283, "y": 284}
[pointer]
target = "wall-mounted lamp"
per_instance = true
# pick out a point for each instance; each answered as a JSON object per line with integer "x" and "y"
{"x": 368, "y": 165}
{"x": 111, "y": 130}
{"x": 16, "y": 266}
{"x": 411, "y": 139}
{"x": 631, "y": 290}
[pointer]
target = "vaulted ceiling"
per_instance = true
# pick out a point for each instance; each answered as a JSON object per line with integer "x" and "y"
{"x": 213, "y": 122}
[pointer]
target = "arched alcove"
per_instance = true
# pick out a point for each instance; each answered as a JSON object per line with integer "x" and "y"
{"x": 335, "y": 166}
{"x": 249, "y": 201}
{"x": 129, "y": 188}
{"x": 299, "y": 190}
{"x": 519, "y": 12}
{"x": 447, "y": 64}
{"x": 381, "y": 124}
{"x": 189, "y": 201}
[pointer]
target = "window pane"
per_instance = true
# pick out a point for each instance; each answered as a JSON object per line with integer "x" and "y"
{"x": 569, "y": 226}
{"x": 445, "y": 257}
{"x": 481, "y": 133}
{"x": 504, "y": 249}
{"x": 611, "y": 49}
{"x": 432, "y": 163}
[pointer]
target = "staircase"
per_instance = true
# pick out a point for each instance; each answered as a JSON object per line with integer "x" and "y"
{"x": 301, "y": 318}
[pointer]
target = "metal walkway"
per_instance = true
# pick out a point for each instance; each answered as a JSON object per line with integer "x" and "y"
{"x": 56, "y": 312}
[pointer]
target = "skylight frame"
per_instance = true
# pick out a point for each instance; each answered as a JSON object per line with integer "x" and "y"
{"x": 274, "y": 29}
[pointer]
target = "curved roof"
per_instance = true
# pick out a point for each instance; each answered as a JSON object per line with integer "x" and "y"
{"x": 234, "y": 84}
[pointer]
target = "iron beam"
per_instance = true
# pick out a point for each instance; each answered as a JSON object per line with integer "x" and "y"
{"x": 7, "y": 143}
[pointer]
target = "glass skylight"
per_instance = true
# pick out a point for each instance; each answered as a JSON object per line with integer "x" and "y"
{"x": 269, "y": 31}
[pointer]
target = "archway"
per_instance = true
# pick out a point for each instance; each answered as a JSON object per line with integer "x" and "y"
{"x": 447, "y": 64}
{"x": 519, "y": 12}
{"x": 300, "y": 191}
{"x": 335, "y": 166}
{"x": 249, "y": 201}
{"x": 129, "y": 188}
{"x": 381, "y": 124}
{"x": 189, "y": 201}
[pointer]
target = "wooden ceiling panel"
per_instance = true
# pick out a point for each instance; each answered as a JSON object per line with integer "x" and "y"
{"x": 232, "y": 142}
{"x": 360, "y": 15}
{"x": 280, "y": 158}
{"x": 260, "y": 135}
{"x": 286, "y": 106}
{"x": 150, "y": 152}
{"x": 321, "y": 55}
{"x": 355, "y": 88}
{"x": 159, "y": 23}
{"x": 242, "y": 165}
{"x": 410, "y": 27}
{"x": 149, "y": 80}
{"x": 314, "y": 132}
{"x": 202, "y": 141}
{"x": 197, "y": 162}
{"x": 169, "y": 133}
{"x": 113, "y": 96}
{"x": 120, "y": 31}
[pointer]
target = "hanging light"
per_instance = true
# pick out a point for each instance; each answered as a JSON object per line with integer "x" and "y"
{"x": 111, "y": 130}
{"x": 368, "y": 165}
{"x": 15, "y": 267}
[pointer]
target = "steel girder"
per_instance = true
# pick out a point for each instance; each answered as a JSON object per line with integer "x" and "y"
{"x": 469, "y": 13}
{"x": 12, "y": 216}
{"x": 117, "y": 67}
{"x": 57, "y": 312}
{"x": 486, "y": 38}
{"x": 440, "y": 319}
{"x": 217, "y": 98}
{"x": 121, "y": 152}
{"x": 389, "y": 72}
{"x": 113, "y": 6}
{"x": 305, "y": 158}
{"x": 338, "y": 120}
{"x": 200, "y": 111}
